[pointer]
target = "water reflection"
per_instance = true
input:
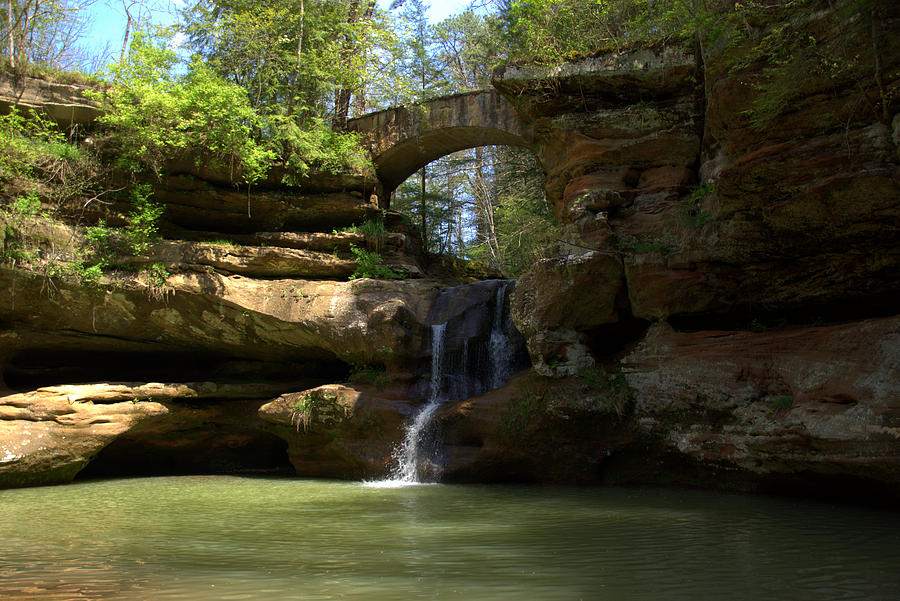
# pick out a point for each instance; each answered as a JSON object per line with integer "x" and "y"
{"x": 203, "y": 538}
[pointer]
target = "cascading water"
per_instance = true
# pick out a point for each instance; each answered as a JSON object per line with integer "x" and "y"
{"x": 474, "y": 348}
{"x": 501, "y": 346}
{"x": 410, "y": 450}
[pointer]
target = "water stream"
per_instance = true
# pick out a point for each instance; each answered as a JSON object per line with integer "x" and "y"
{"x": 412, "y": 452}
{"x": 501, "y": 350}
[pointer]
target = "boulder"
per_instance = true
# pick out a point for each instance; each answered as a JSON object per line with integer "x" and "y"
{"x": 343, "y": 431}
{"x": 559, "y": 299}
{"x": 537, "y": 429}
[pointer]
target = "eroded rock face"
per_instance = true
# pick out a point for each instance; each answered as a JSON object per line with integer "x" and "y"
{"x": 823, "y": 401}
{"x": 52, "y": 434}
{"x": 718, "y": 209}
{"x": 794, "y": 409}
{"x": 362, "y": 321}
{"x": 252, "y": 261}
{"x": 559, "y": 298}
{"x": 64, "y": 103}
{"x": 718, "y": 212}
{"x": 47, "y": 436}
{"x": 203, "y": 204}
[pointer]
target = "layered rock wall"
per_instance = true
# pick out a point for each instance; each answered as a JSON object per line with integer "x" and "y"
{"x": 246, "y": 293}
{"x": 725, "y": 314}
{"x": 736, "y": 217}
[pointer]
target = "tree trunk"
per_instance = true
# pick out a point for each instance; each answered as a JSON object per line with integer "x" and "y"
{"x": 484, "y": 211}
{"x": 343, "y": 94}
{"x": 127, "y": 35}
{"x": 295, "y": 80}
{"x": 9, "y": 34}
{"x": 422, "y": 220}
{"x": 21, "y": 32}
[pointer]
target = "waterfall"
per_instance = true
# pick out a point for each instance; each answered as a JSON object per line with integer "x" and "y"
{"x": 500, "y": 344}
{"x": 474, "y": 348}
{"x": 411, "y": 451}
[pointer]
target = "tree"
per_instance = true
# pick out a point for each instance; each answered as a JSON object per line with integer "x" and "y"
{"x": 300, "y": 58}
{"x": 359, "y": 17}
{"x": 468, "y": 46}
{"x": 136, "y": 12}
{"x": 422, "y": 79}
{"x": 42, "y": 32}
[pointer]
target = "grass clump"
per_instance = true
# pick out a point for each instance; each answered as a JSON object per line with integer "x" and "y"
{"x": 318, "y": 407}
{"x": 690, "y": 206}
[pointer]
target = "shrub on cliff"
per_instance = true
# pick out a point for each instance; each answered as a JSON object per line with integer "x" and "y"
{"x": 315, "y": 147}
{"x": 371, "y": 265}
{"x": 154, "y": 114}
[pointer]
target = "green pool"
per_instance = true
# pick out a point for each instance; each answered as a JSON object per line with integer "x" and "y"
{"x": 229, "y": 538}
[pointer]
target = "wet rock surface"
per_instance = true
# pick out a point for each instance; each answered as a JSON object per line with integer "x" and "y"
{"x": 792, "y": 410}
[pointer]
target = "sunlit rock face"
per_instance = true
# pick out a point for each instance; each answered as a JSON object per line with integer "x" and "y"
{"x": 47, "y": 436}
{"x": 246, "y": 292}
{"x": 64, "y": 103}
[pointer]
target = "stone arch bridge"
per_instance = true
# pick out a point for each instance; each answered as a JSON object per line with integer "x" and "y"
{"x": 406, "y": 138}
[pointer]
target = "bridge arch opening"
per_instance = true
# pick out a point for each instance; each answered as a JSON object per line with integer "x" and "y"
{"x": 486, "y": 203}
{"x": 440, "y": 134}
{"x": 409, "y": 156}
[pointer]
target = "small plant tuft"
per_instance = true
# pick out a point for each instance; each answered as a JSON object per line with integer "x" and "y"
{"x": 157, "y": 276}
{"x": 371, "y": 265}
{"x": 780, "y": 403}
{"x": 690, "y": 206}
{"x": 320, "y": 407}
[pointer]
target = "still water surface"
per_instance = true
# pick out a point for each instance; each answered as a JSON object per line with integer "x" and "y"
{"x": 230, "y": 538}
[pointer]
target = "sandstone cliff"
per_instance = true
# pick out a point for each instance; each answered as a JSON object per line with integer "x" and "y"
{"x": 726, "y": 317}
{"x": 736, "y": 279}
